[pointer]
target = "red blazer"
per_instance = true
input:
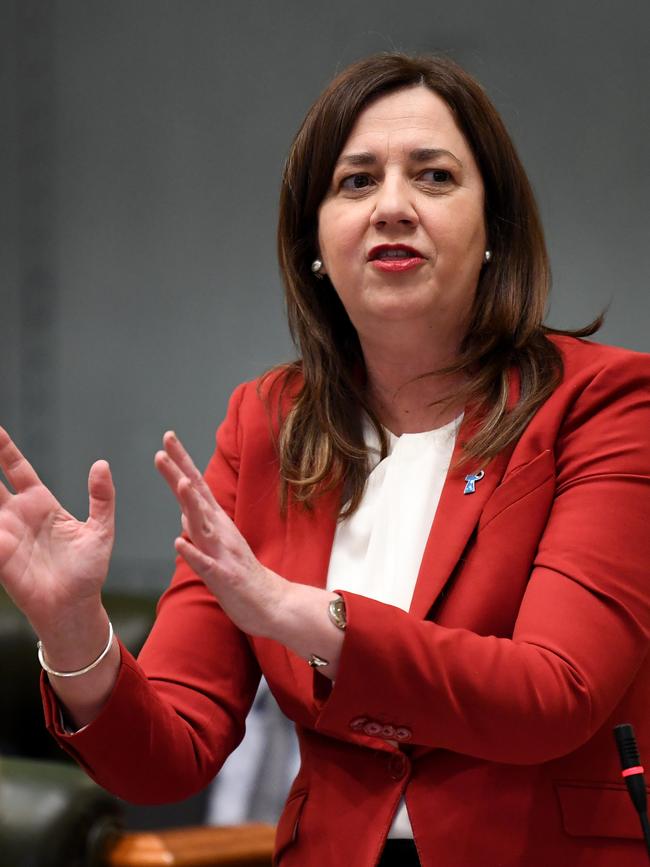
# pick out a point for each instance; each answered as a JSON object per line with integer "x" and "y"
{"x": 527, "y": 640}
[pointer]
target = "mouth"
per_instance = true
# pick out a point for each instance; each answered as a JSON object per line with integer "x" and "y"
{"x": 395, "y": 257}
{"x": 391, "y": 252}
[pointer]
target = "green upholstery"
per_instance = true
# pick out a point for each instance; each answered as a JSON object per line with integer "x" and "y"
{"x": 53, "y": 815}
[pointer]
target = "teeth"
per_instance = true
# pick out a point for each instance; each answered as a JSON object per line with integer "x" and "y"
{"x": 394, "y": 254}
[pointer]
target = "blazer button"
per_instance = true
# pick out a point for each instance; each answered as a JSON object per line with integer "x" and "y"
{"x": 372, "y": 728}
{"x": 388, "y": 731}
{"x": 403, "y": 734}
{"x": 358, "y": 723}
{"x": 397, "y": 766}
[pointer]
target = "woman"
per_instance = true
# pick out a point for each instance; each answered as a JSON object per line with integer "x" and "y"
{"x": 429, "y": 533}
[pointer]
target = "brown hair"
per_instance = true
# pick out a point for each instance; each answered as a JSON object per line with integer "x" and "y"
{"x": 321, "y": 438}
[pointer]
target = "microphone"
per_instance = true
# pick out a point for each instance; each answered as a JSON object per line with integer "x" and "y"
{"x": 632, "y": 773}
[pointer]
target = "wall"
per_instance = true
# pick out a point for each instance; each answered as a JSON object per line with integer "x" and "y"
{"x": 157, "y": 151}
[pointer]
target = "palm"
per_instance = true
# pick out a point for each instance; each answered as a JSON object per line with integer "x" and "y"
{"x": 48, "y": 559}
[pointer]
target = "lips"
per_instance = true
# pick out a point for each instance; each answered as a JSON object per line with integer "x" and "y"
{"x": 395, "y": 258}
{"x": 394, "y": 253}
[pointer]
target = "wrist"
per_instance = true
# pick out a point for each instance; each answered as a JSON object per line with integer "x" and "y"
{"x": 277, "y": 607}
{"x": 75, "y": 638}
{"x": 304, "y": 625}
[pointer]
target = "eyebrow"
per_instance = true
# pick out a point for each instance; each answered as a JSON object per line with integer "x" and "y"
{"x": 418, "y": 155}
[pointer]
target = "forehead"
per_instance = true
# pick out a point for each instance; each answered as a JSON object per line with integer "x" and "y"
{"x": 408, "y": 118}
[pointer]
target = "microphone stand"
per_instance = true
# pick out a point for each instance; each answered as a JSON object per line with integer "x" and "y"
{"x": 632, "y": 772}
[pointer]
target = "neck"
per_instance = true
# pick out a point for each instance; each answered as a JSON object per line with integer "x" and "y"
{"x": 406, "y": 397}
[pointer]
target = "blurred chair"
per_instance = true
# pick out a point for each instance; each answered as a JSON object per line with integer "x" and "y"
{"x": 52, "y": 815}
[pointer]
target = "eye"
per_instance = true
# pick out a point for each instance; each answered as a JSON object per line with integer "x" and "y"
{"x": 437, "y": 176}
{"x": 359, "y": 181}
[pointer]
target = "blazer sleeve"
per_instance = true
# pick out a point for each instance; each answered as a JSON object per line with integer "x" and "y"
{"x": 174, "y": 715}
{"x": 583, "y": 626}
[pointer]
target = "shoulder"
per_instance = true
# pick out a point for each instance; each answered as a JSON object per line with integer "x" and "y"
{"x": 584, "y": 360}
{"x": 602, "y": 400}
{"x": 596, "y": 420}
{"x": 269, "y": 395}
{"x": 603, "y": 395}
{"x": 256, "y": 408}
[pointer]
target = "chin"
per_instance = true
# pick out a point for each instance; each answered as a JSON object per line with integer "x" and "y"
{"x": 403, "y": 303}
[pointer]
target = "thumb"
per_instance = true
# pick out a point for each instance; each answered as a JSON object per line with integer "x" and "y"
{"x": 101, "y": 495}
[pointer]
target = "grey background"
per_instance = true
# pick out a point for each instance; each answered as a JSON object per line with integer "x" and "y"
{"x": 140, "y": 153}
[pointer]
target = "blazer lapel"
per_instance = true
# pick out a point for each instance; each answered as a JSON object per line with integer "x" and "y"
{"x": 456, "y": 516}
{"x": 458, "y": 513}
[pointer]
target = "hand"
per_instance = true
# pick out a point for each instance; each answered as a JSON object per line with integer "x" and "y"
{"x": 214, "y": 548}
{"x": 52, "y": 565}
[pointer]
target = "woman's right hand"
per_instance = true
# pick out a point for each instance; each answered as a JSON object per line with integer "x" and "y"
{"x": 52, "y": 565}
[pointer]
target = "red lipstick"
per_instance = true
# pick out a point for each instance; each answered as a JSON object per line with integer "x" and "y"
{"x": 395, "y": 257}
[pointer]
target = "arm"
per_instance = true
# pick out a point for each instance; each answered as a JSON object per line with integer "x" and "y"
{"x": 174, "y": 715}
{"x": 177, "y": 712}
{"x": 259, "y": 601}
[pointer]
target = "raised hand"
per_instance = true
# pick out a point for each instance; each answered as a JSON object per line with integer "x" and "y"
{"x": 52, "y": 565}
{"x": 215, "y": 549}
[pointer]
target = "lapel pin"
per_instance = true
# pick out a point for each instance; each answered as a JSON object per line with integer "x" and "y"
{"x": 471, "y": 481}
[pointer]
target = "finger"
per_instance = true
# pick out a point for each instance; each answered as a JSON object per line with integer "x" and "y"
{"x": 180, "y": 487}
{"x": 5, "y": 494}
{"x": 201, "y": 563}
{"x": 168, "y": 470}
{"x": 191, "y": 506}
{"x": 16, "y": 468}
{"x": 179, "y": 455}
{"x": 201, "y": 522}
{"x": 101, "y": 495}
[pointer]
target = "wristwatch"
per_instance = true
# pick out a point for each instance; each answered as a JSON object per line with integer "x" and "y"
{"x": 336, "y": 611}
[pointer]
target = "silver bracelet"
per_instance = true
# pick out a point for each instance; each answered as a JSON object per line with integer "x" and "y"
{"x": 90, "y": 667}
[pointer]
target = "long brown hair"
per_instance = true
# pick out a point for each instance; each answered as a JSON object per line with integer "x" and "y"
{"x": 321, "y": 439}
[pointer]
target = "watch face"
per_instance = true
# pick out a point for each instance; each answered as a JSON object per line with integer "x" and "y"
{"x": 337, "y": 612}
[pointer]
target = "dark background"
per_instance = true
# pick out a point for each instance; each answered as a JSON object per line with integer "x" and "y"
{"x": 141, "y": 146}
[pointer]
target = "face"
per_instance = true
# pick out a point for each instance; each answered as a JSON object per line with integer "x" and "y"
{"x": 401, "y": 231}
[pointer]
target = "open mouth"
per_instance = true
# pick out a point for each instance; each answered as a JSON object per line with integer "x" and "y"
{"x": 395, "y": 257}
{"x": 390, "y": 252}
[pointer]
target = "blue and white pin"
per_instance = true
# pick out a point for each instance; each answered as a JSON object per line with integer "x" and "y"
{"x": 470, "y": 481}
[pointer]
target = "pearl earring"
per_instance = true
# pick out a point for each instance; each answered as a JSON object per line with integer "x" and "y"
{"x": 316, "y": 266}
{"x": 487, "y": 256}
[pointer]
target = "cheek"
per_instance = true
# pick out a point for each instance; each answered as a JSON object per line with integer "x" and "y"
{"x": 325, "y": 239}
{"x": 461, "y": 234}
{"x": 339, "y": 229}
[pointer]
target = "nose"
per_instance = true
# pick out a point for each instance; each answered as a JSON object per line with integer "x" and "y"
{"x": 394, "y": 204}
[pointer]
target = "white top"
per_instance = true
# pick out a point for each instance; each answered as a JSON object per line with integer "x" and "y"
{"x": 377, "y": 551}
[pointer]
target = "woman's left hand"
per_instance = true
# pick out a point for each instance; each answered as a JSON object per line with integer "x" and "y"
{"x": 214, "y": 548}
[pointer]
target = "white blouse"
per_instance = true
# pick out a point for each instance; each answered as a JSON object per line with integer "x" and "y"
{"x": 377, "y": 551}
